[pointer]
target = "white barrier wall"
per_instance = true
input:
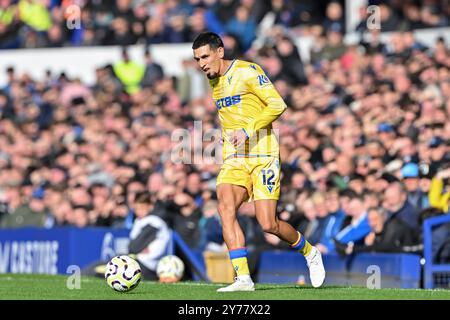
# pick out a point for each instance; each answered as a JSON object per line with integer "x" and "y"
{"x": 82, "y": 61}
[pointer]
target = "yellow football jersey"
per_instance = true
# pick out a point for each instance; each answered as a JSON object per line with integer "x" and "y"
{"x": 246, "y": 99}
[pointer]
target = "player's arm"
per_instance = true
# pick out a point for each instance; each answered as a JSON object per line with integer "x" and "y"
{"x": 259, "y": 84}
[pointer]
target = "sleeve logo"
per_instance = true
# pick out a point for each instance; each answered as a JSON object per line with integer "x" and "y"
{"x": 263, "y": 80}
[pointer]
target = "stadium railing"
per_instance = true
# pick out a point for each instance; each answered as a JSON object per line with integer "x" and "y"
{"x": 435, "y": 274}
{"x": 371, "y": 270}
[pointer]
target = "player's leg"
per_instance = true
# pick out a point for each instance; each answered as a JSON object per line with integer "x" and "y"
{"x": 266, "y": 214}
{"x": 266, "y": 190}
{"x": 230, "y": 197}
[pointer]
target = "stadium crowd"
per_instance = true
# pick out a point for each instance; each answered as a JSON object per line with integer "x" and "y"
{"x": 57, "y": 23}
{"x": 364, "y": 143}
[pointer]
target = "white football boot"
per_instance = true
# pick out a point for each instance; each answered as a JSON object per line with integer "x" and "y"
{"x": 316, "y": 269}
{"x": 241, "y": 283}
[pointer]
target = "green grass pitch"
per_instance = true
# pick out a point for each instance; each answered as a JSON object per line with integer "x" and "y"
{"x": 43, "y": 287}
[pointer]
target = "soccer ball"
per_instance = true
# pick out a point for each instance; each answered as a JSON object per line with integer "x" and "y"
{"x": 123, "y": 273}
{"x": 170, "y": 269}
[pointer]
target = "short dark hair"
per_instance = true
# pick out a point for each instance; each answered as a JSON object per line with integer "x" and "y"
{"x": 143, "y": 197}
{"x": 210, "y": 38}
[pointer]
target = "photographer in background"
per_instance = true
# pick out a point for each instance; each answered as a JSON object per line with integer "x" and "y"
{"x": 149, "y": 238}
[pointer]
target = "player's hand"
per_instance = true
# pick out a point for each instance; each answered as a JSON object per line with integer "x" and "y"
{"x": 238, "y": 137}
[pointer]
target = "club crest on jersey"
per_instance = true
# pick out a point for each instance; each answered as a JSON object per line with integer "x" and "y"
{"x": 263, "y": 80}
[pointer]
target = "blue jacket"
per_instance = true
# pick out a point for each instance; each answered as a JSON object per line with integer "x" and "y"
{"x": 332, "y": 229}
{"x": 355, "y": 232}
{"x": 408, "y": 214}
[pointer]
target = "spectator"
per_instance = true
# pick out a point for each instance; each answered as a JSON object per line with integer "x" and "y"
{"x": 334, "y": 17}
{"x": 130, "y": 73}
{"x": 153, "y": 71}
{"x": 410, "y": 175}
{"x": 334, "y": 223}
{"x": 32, "y": 214}
{"x": 243, "y": 26}
{"x": 397, "y": 204}
{"x": 149, "y": 236}
{"x": 359, "y": 227}
{"x": 387, "y": 235}
{"x": 440, "y": 190}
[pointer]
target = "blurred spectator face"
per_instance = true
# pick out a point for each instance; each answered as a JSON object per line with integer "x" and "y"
{"x": 154, "y": 25}
{"x": 100, "y": 190}
{"x": 52, "y": 198}
{"x": 155, "y": 182}
{"x": 412, "y": 13}
{"x": 411, "y": 184}
{"x": 438, "y": 153}
{"x": 132, "y": 189}
{"x": 334, "y": 11}
{"x": 344, "y": 165}
{"x": 408, "y": 148}
{"x": 298, "y": 180}
{"x": 80, "y": 217}
{"x": 120, "y": 26}
{"x": 334, "y": 37}
{"x": 371, "y": 200}
{"x": 242, "y": 14}
{"x": 61, "y": 212}
{"x": 123, "y": 5}
{"x": 12, "y": 197}
{"x": 142, "y": 209}
{"x": 376, "y": 220}
{"x": 54, "y": 33}
{"x": 318, "y": 199}
{"x": 120, "y": 211}
{"x": 329, "y": 154}
{"x": 378, "y": 63}
{"x": 356, "y": 208}
{"x": 375, "y": 149}
{"x": 210, "y": 209}
{"x": 309, "y": 210}
{"x": 80, "y": 197}
{"x": 57, "y": 176}
{"x": 357, "y": 185}
{"x": 385, "y": 12}
{"x": 197, "y": 21}
{"x": 332, "y": 201}
{"x": 194, "y": 183}
{"x": 271, "y": 64}
{"x": 177, "y": 23}
{"x": 285, "y": 47}
{"x": 37, "y": 204}
{"x": 394, "y": 197}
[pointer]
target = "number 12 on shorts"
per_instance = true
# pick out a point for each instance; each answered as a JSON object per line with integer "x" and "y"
{"x": 268, "y": 176}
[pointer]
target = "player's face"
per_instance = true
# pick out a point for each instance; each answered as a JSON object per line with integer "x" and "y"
{"x": 209, "y": 60}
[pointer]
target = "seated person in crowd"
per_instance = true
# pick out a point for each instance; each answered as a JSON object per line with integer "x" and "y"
{"x": 359, "y": 226}
{"x": 388, "y": 234}
{"x": 149, "y": 240}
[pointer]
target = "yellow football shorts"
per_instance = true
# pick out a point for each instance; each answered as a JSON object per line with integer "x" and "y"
{"x": 259, "y": 175}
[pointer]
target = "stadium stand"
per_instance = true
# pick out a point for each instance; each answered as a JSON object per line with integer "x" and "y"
{"x": 367, "y": 125}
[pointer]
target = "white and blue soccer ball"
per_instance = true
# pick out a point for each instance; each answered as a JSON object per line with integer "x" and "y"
{"x": 170, "y": 269}
{"x": 123, "y": 273}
